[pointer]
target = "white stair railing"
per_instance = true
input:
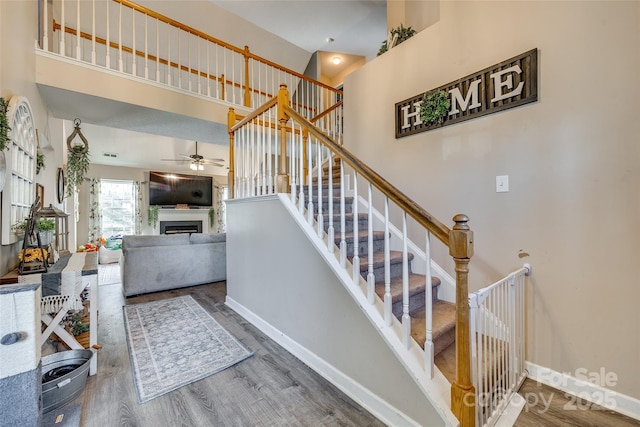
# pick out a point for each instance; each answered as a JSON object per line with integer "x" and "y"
{"x": 121, "y": 36}
{"x": 496, "y": 313}
{"x": 497, "y": 344}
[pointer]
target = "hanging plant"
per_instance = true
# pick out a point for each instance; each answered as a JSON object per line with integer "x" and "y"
{"x": 435, "y": 107}
{"x": 396, "y": 36}
{"x": 152, "y": 215}
{"x": 77, "y": 160}
{"x": 4, "y": 125}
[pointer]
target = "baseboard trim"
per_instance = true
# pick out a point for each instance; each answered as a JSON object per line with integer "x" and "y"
{"x": 365, "y": 398}
{"x": 607, "y": 398}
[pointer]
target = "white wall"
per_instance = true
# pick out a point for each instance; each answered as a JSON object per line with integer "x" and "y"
{"x": 18, "y": 33}
{"x": 275, "y": 272}
{"x": 572, "y": 159}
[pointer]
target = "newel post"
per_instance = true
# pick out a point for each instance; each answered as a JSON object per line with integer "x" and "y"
{"x": 247, "y": 89}
{"x": 463, "y": 394}
{"x": 283, "y": 118}
{"x": 231, "y": 121}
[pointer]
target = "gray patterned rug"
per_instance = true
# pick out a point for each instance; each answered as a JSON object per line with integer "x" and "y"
{"x": 174, "y": 342}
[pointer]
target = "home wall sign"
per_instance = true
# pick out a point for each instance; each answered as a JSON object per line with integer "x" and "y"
{"x": 505, "y": 85}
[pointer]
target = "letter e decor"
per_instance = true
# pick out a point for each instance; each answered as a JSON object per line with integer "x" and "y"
{"x": 505, "y": 85}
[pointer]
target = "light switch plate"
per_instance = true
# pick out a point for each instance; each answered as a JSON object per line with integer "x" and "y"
{"x": 502, "y": 184}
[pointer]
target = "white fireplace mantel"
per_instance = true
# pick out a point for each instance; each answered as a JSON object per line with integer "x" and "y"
{"x": 184, "y": 215}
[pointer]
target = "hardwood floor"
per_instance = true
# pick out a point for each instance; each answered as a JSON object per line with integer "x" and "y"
{"x": 550, "y": 407}
{"x": 271, "y": 388}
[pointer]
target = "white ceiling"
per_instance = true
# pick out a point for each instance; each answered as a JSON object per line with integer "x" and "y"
{"x": 357, "y": 27}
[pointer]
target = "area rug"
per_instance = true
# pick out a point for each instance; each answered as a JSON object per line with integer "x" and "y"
{"x": 174, "y": 342}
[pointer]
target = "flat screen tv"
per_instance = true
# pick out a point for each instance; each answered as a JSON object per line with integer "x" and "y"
{"x": 170, "y": 189}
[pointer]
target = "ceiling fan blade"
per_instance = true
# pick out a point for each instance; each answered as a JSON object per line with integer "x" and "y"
{"x": 173, "y": 160}
{"x": 209, "y": 161}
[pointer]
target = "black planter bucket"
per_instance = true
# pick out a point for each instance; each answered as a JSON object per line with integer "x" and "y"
{"x": 64, "y": 376}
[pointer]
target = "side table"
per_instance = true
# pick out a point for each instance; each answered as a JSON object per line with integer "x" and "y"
{"x": 61, "y": 289}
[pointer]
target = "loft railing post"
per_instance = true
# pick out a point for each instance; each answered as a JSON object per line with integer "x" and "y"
{"x": 462, "y": 390}
{"x": 283, "y": 118}
{"x": 231, "y": 120}
{"x": 247, "y": 89}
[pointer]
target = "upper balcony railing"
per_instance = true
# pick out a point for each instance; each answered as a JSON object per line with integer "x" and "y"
{"x": 122, "y": 36}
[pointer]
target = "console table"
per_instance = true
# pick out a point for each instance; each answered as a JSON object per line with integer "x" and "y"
{"x": 61, "y": 289}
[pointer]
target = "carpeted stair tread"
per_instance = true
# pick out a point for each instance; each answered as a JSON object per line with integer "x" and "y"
{"x": 395, "y": 257}
{"x": 446, "y": 362}
{"x": 444, "y": 325}
{"x": 416, "y": 286}
{"x": 363, "y": 236}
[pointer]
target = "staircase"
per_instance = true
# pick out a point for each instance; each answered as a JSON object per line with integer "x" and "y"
{"x": 443, "y": 333}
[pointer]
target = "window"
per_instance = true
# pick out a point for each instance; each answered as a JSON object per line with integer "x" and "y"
{"x": 117, "y": 203}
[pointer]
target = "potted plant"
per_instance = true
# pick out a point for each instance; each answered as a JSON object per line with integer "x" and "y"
{"x": 435, "y": 107}
{"x": 4, "y": 125}
{"x": 396, "y": 36}
{"x": 152, "y": 215}
{"x": 46, "y": 228}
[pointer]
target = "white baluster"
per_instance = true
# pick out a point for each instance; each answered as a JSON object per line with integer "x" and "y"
{"x": 309, "y": 185}
{"x": 387, "y": 266}
{"x": 45, "y": 28}
{"x": 93, "y": 31}
{"x": 428, "y": 295}
{"x": 157, "y": 50}
{"x": 108, "y": 43}
{"x": 120, "y": 61}
{"x": 331, "y": 234}
{"x": 301, "y": 199}
{"x": 355, "y": 261}
{"x": 320, "y": 219}
{"x": 343, "y": 239}
{"x": 146, "y": 47}
{"x": 169, "y": 74}
{"x": 133, "y": 48}
{"x": 406, "y": 320}
{"x": 270, "y": 158}
{"x": 371, "y": 278}
{"x": 61, "y": 42}
{"x": 78, "y": 36}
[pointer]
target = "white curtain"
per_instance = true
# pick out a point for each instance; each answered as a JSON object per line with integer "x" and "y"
{"x": 95, "y": 213}
{"x": 137, "y": 209}
{"x": 220, "y": 225}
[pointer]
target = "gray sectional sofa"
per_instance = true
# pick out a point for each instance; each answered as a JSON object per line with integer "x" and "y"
{"x": 158, "y": 263}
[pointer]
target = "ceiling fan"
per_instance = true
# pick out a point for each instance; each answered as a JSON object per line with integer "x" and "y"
{"x": 196, "y": 161}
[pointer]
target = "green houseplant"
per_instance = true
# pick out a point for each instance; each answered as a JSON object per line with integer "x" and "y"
{"x": 396, "y": 36}
{"x": 77, "y": 167}
{"x": 212, "y": 216}
{"x": 435, "y": 107}
{"x": 152, "y": 215}
{"x": 4, "y": 125}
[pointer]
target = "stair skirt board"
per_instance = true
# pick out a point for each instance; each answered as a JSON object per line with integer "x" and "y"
{"x": 436, "y": 390}
{"x": 365, "y": 398}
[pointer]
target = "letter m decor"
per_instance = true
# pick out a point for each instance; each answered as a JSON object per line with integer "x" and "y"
{"x": 509, "y": 84}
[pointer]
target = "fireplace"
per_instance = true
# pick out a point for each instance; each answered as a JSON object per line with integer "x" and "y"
{"x": 177, "y": 227}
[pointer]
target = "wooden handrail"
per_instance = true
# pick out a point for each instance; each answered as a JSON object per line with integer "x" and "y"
{"x": 253, "y": 115}
{"x": 245, "y": 52}
{"x": 421, "y": 216}
{"x": 327, "y": 111}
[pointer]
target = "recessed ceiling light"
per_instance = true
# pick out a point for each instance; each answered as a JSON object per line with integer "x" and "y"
{"x": 336, "y": 60}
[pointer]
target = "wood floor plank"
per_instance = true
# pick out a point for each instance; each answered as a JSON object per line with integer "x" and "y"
{"x": 550, "y": 407}
{"x": 271, "y": 388}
